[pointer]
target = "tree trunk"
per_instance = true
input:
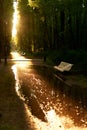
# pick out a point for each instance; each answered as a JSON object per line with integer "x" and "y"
{"x": 77, "y": 31}
{"x": 62, "y": 21}
{"x": 71, "y": 40}
{"x": 5, "y": 55}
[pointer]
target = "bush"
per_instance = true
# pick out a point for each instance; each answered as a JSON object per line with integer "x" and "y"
{"x": 76, "y": 57}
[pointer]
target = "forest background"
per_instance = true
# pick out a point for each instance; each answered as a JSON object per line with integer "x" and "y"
{"x": 51, "y": 29}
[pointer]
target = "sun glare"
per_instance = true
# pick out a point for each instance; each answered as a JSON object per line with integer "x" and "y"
{"x": 15, "y": 21}
{"x": 20, "y": 61}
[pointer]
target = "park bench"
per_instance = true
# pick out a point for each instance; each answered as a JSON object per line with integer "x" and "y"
{"x": 64, "y": 66}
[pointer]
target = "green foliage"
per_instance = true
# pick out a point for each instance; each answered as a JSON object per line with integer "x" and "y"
{"x": 7, "y": 127}
{"x": 24, "y": 7}
{"x": 53, "y": 25}
{"x": 6, "y": 12}
{"x": 76, "y": 57}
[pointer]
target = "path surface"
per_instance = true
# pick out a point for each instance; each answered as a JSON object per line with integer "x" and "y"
{"x": 12, "y": 111}
{"x": 39, "y": 93}
{"x": 34, "y": 103}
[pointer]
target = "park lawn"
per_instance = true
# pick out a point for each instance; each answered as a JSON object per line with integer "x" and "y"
{"x": 12, "y": 112}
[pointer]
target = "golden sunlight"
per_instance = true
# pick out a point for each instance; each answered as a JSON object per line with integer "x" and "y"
{"x": 15, "y": 22}
{"x": 20, "y": 61}
{"x": 54, "y": 121}
{"x": 33, "y": 3}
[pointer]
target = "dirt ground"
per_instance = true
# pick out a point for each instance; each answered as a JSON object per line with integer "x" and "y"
{"x": 12, "y": 111}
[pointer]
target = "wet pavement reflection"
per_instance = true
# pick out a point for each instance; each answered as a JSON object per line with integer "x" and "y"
{"x": 48, "y": 107}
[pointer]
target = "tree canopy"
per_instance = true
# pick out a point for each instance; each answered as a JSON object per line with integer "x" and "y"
{"x": 6, "y": 11}
{"x": 53, "y": 24}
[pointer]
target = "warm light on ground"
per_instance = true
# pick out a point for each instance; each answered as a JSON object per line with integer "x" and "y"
{"x": 54, "y": 120}
{"x": 20, "y": 61}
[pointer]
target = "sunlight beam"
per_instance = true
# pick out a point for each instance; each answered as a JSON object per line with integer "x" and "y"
{"x": 15, "y": 22}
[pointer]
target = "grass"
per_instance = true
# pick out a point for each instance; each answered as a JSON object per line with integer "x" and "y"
{"x": 76, "y": 57}
{"x": 12, "y": 111}
{"x": 8, "y": 128}
{"x": 6, "y": 87}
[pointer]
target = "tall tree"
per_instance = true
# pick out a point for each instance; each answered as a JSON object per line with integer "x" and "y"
{"x": 53, "y": 24}
{"x": 6, "y": 11}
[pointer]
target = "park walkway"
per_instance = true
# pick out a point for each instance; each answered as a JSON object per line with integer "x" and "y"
{"x": 12, "y": 111}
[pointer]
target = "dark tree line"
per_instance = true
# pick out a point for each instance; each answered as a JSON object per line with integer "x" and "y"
{"x": 6, "y": 10}
{"x": 53, "y": 25}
